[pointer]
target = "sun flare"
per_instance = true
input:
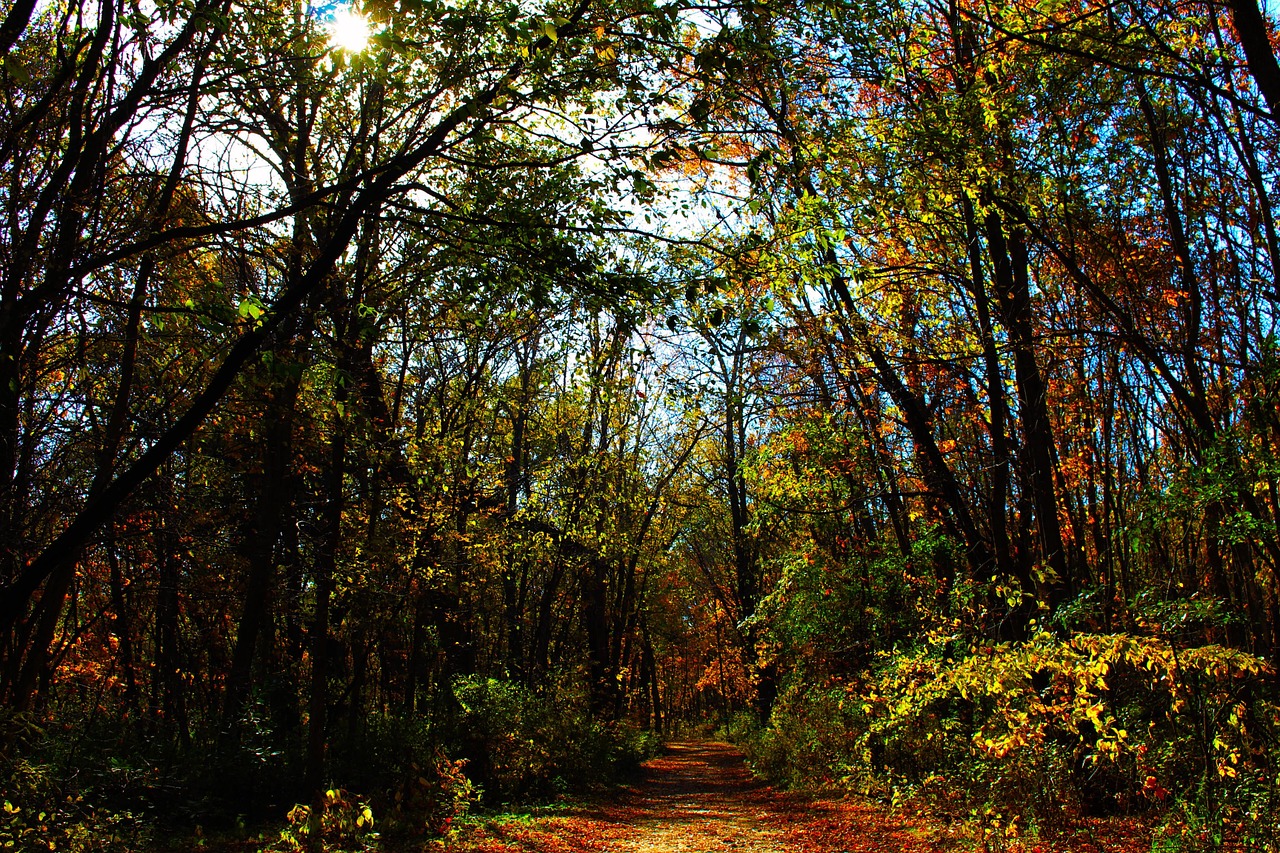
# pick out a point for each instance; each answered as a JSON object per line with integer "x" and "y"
{"x": 349, "y": 30}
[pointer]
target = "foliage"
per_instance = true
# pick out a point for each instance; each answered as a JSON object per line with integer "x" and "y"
{"x": 42, "y": 813}
{"x": 431, "y": 799}
{"x": 345, "y": 823}
{"x": 521, "y": 745}
{"x": 1040, "y": 730}
{"x": 893, "y": 383}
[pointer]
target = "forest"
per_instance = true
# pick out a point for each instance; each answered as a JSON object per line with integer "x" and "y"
{"x": 415, "y": 409}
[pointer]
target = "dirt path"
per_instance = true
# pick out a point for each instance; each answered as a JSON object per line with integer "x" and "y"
{"x": 700, "y": 798}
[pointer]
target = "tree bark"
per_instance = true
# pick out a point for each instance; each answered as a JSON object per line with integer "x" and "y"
{"x": 1251, "y": 28}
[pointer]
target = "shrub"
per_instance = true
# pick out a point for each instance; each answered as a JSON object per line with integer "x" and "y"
{"x": 522, "y": 745}
{"x": 1018, "y": 731}
{"x": 39, "y": 815}
{"x": 810, "y": 738}
{"x": 345, "y": 823}
{"x": 430, "y": 799}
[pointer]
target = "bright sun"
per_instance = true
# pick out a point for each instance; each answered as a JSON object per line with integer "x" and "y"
{"x": 349, "y": 30}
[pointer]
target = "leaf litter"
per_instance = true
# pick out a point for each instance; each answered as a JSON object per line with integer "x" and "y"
{"x": 701, "y": 798}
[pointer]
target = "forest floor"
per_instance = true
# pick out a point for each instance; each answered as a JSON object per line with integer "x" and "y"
{"x": 701, "y": 798}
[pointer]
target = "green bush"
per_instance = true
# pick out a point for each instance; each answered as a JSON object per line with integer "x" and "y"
{"x": 810, "y": 740}
{"x": 1020, "y": 732}
{"x": 39, "y": 813}
{"x": 522, "y": 745}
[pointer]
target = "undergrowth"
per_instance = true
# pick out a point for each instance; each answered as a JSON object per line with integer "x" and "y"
{"x": 400, "y": 781}
{"x": 1028, "y": 737}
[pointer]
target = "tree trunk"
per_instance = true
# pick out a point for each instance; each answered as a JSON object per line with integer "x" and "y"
{"x": 1013, "y": 294}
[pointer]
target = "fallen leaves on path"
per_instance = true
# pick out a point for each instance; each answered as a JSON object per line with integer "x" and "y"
{"x": 700, "y": 798}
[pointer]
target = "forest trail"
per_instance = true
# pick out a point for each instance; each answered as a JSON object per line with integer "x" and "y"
{"x": 699, "y": 797}
{"x": 702, "y": 798}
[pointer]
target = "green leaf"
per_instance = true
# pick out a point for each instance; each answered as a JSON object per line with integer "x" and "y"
{"x": 251, "y": 308}
{"x": 17, "y": 71}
